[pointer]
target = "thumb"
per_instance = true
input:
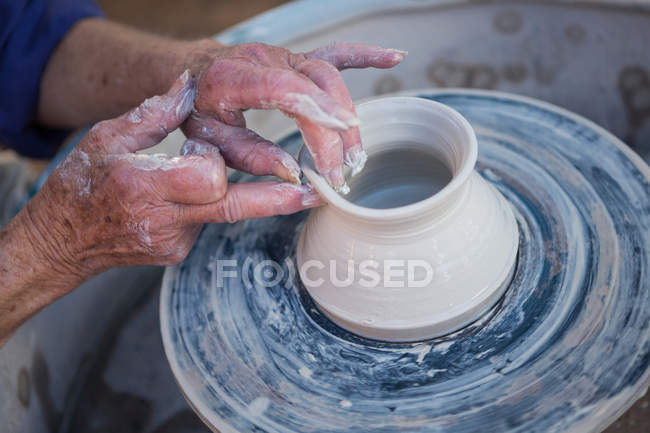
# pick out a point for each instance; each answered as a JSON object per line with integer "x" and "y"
{"x": 198, "y": 177}
{"x": 150, "y": 122}
{"x": 194, "y": 178}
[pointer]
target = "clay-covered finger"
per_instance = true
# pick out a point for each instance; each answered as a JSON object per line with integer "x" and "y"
{"x": 197, "y": 146}
{"x": 326, "y": 149}
{"x": 243, "y": 149}
{"x": 191, "y": 179}
{"x": 194, "y": 178}
{"x": 344, "y": 55}
{"x": 238, "y": 85}
{"x": 328, "y": 78}
{"x": 147, "y": 124}
{"x": 254, "y": 200}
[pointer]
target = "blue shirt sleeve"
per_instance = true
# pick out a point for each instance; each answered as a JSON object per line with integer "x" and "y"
{"x": 29, "y": 31}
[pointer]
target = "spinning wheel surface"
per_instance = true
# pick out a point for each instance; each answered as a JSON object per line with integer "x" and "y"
{"x": 567, "y": 348}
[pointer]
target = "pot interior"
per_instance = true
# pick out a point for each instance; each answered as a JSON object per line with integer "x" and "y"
{"x": 399, "y": 174}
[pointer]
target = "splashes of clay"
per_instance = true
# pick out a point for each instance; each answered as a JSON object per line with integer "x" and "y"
{"x": 157, "y": 161}
{"x": 356, "y": 160}
{"x": 258, "y": 406}
{"x": 305, "y": 104}
{"x": 74, "y": 170}
{"x": 344, "y": 189}
{"x": 140, "y": 228}
{"x": 305, "y": 372}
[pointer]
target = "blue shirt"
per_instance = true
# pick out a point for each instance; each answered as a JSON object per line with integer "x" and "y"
{"x": 29, "y": 32}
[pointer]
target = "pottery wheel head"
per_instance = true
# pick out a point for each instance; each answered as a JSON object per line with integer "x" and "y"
{"x": 565, "y": 349}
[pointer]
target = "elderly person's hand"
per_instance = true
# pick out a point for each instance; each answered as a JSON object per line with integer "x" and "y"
{"x": 107, "y": 206}
{"x": 102, "y": 69}
{"x": 306, "y": 86}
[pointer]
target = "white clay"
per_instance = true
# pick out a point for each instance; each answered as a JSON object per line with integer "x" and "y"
{"x": 417, "y": 203}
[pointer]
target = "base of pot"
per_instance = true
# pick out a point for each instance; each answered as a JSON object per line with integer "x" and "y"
{"x": 436, "y": 326}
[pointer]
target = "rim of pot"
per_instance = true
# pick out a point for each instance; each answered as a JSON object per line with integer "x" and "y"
{"x": 460, "y": 174}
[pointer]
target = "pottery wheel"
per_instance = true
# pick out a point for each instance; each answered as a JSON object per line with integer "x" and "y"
{"x": 567, "y": 348}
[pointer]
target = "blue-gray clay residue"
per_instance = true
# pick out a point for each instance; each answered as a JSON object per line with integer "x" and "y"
{"x": 568, "y": 348}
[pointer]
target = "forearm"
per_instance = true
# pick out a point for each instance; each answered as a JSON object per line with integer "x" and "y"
{"x": 102, "y": 69}
{"x": 29, "y": 277}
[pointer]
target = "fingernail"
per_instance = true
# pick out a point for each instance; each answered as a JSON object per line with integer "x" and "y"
{"x": 195, "y": 147}
{"x": 185, "y": 76}
{"x": 402, "y": 53}
{"x": 180, "y": 82}
{"x": 336, "y": 178}
{"x": 310, "y": 197}
{"x": 291, "y": 174}
{"x": 185, "y": 89}
{"x": 398, "y": 55}
{"x": 284, "y": 166}
{"x": 187, "y": 106}
{"x": 293, "y": 170}
{"x": 356, "y": 158}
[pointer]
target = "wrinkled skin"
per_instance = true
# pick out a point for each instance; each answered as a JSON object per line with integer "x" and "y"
{"x": 307, "y": 87}
{"x": 129, "y": 208}
{"x": 125, "y": 208}
{"x": 107, "y": 206}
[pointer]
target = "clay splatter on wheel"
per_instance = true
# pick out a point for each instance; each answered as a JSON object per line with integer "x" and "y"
{"x": 566, "y": 349}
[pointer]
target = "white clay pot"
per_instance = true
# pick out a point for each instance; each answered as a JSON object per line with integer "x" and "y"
{"x": 422, "y": 245}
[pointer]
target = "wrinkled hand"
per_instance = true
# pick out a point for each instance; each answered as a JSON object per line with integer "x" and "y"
{"x": 107, "y": 206}
{"x": 306, "y": 86}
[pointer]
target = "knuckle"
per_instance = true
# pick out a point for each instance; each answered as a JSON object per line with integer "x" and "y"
{"x": 253, "y": 160}
{"x": 232, "y": 210}
{"x": 325, "y": 70}
{"x": 255, "y": 49}
{"x": 101, "y": 129}
{"x": 100, "y": 133}
{"x": 179, "y": 216}
{"x": 328, "y": 49}
{"x": 119, "y": 179}
{"x": 281, "y": 81}
{"x": 330, "y": 68}
{"x": 297, "y": 60}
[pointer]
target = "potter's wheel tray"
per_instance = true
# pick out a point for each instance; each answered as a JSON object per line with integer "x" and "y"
{"x": 568, "y": 348}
